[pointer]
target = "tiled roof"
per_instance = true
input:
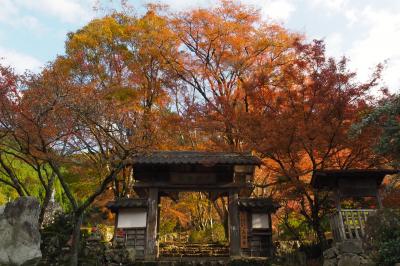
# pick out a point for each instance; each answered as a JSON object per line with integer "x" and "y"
{"x": 127, "y": 203}
{"x": 195, "y": 157}
{"x": 329, "y": 178}
{"x": 266, "y": 204}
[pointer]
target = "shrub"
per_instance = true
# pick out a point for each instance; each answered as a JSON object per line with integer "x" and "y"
{"x": 312, "y": 250}
{"x": 295, "y": 227}
{"x": 167, "y": 227}
{"x": 106, "y": 232}
{"x": 198, "y": 237}
{"x": 55, "y": 236}
{"x": 383, "y": 236}
{"x": 218, "y": 233}
{"x": 389, "y": 252}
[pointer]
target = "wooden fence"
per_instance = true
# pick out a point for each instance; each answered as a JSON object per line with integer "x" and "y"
{"x": 349, "y": 223}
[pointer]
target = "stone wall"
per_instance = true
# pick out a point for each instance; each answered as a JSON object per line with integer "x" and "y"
{"x": 347, "y": 253}
{"x": 19, "y": 232}
{"x": 97, "y": 252}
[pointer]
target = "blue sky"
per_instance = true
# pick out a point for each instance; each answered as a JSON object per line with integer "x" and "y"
{"x": 32, "y": 32}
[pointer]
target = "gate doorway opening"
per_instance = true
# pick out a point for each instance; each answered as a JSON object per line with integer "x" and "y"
{"x": 193, "y": 225}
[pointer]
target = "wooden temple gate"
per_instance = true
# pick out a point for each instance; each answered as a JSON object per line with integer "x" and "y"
{"x": 165, "y": 174}
{"x": 351, "y": 183}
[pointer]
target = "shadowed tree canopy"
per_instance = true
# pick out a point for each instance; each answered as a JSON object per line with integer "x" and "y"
{"x": 384, "y": 117}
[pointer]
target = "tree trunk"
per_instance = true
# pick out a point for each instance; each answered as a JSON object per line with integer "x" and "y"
{"x": 316, "y": 222}
{"x": 320, "y": 235}
{"x": 17, "y": 185}
{"x": 19, "y": 190}
{"x": 43, "y": 208}
{"x": 226, "y": 226}
{"x": 46, "y": 200}
{"x": 223, "y": 215}
{"x": 291, "y": 229}
{"x": 76, "y": 235}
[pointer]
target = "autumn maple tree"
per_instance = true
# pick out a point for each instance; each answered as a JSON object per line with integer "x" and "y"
{"x": 9, "y": 105}
{"x": 24, "y": 126}
{"x": 221, "y": 48}
{"x": 112, "y": 85}
{"x": 300, "y": 123}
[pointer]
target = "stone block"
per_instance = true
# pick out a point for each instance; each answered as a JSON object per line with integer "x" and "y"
{"x": 330, "y": 253}
{"x": 351, "y": 246}
{"x": 330, "y": 262}
{"x": 19, "y": 232}
{"x": 349, "y": 260}
{"x": 365, "y": 260}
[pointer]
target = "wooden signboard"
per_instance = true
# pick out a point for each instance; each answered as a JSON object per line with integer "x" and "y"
{"x": 243, "y": 230}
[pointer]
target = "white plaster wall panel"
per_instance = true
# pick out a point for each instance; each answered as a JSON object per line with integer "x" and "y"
{"x": 128, "y": 218}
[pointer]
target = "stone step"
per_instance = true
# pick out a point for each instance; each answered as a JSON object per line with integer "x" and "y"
{"x": 193, "y": 250}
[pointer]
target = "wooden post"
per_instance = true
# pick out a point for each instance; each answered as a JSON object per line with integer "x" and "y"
{"x": 378, "y": 198}
{"x": 234, "y": 235}
{"x": 152, "y": 224}
{"x": 114, "y": 240}
{"x": 342, "y": 231}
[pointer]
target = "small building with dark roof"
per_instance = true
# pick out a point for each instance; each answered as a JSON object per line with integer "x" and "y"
{"x": 345, "y": 184}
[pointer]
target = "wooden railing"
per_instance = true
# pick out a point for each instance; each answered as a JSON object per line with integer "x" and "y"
{"x": 349, "y": 223}
{"x": 180, "y": 237}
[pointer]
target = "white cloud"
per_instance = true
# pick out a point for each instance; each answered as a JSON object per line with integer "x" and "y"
{"x": 381, "y": 43}
{"x": 391, "y": 76}
{"x": 341, "y": 7}
{"x": 14, "y": 12}
{"x": 70, "y": 11}
{"x": 334, "y": 44}
{"x": 10, "y": 15}
{"x": 182, "y": 5}
{"x": 7, "y": 10}
{"x": 20, "y": 62}
{"x": 278, "y": 10}
{"x": 31, "y": 23}
{"x": 331, "y": 4}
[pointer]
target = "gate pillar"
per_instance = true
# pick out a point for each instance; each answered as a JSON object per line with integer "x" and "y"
{"x": 151, "y": 252}
{"x": 234, "y": 234}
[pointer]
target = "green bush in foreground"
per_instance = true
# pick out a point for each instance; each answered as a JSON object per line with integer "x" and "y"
{"x": 383, "y": 236}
